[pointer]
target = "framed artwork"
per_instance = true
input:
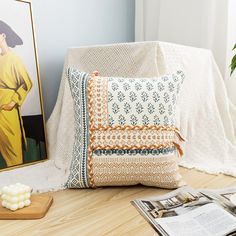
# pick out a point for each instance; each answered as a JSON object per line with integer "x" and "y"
{"x": 22, "y": 125}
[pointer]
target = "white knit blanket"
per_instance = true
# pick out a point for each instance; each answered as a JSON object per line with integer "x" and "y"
{"x": 205, "y": 115}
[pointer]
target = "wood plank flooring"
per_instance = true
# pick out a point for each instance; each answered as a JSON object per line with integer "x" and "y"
{"x": 104, "y": 211}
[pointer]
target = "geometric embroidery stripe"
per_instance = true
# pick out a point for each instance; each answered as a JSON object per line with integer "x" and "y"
{"x": 142, "y": 147}
{"x": 160, "y": 172}
{"x": 134, "y": 147}
{"x": 138, "y": 127}
{"x": 150, "y": 128}
{"x": 91, "y": 136}
{"x": 85, "y": 129}
{"x": 100, "y": 105}
{"x": 133, "y": 138}
{"x": 145, "y": 152}
{"x": 78, "y": 170}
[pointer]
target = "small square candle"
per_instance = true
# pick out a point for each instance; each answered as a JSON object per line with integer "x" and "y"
{"x": 15, "y": 196}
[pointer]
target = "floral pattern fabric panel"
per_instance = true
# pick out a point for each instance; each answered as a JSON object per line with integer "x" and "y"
{"x": 147, "y": 101}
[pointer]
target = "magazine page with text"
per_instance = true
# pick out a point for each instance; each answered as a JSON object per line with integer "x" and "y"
{"x": 186, "y": 211}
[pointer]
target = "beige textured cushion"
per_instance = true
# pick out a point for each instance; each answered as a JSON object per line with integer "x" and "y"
{"x": 125, "y": 131}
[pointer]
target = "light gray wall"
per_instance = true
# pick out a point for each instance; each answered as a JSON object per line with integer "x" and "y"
{"x": 60, "y": 24}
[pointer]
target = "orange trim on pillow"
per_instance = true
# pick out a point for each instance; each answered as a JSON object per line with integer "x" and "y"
{"x": 91, "y": 136}
{"x": 98, "y": 121}
{"x": 139, "y": 128}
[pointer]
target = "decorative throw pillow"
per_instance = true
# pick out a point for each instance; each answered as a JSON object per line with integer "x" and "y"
{"x": 125, "y": 131}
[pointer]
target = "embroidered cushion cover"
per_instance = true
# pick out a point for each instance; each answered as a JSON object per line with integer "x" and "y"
{"x": 125, "y": 131}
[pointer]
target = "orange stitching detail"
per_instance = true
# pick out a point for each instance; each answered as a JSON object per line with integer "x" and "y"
{"x": 91, "y": 136}
{"x": 143, "y": 127}
{"x": 127, "y": 147}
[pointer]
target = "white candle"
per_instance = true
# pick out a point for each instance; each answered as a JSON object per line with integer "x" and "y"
{"x": 15, "y": 196}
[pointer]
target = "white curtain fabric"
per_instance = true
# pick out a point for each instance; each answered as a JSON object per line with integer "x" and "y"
{"x": 206, "y": 24}
{"x": 205, "y": 115}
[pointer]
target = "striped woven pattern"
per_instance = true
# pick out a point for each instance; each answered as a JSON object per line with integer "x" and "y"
{"x": 125, "y": 131}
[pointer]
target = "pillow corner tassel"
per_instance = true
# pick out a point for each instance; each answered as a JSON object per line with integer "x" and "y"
{"x": 179, "y": 149}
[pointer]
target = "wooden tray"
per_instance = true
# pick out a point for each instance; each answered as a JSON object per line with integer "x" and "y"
{"x": 38, "y": 209}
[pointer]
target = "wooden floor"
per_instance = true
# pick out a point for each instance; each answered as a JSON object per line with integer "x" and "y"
{"x": 105, "y": 211}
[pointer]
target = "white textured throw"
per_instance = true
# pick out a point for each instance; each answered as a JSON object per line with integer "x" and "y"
{"x": 205, "y": 115}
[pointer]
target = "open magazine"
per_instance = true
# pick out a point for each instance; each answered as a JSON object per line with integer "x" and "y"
{"x": 189, "y": 212}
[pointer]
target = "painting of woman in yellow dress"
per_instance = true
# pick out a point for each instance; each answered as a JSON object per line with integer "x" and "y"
{"x": 15, "y": 84}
